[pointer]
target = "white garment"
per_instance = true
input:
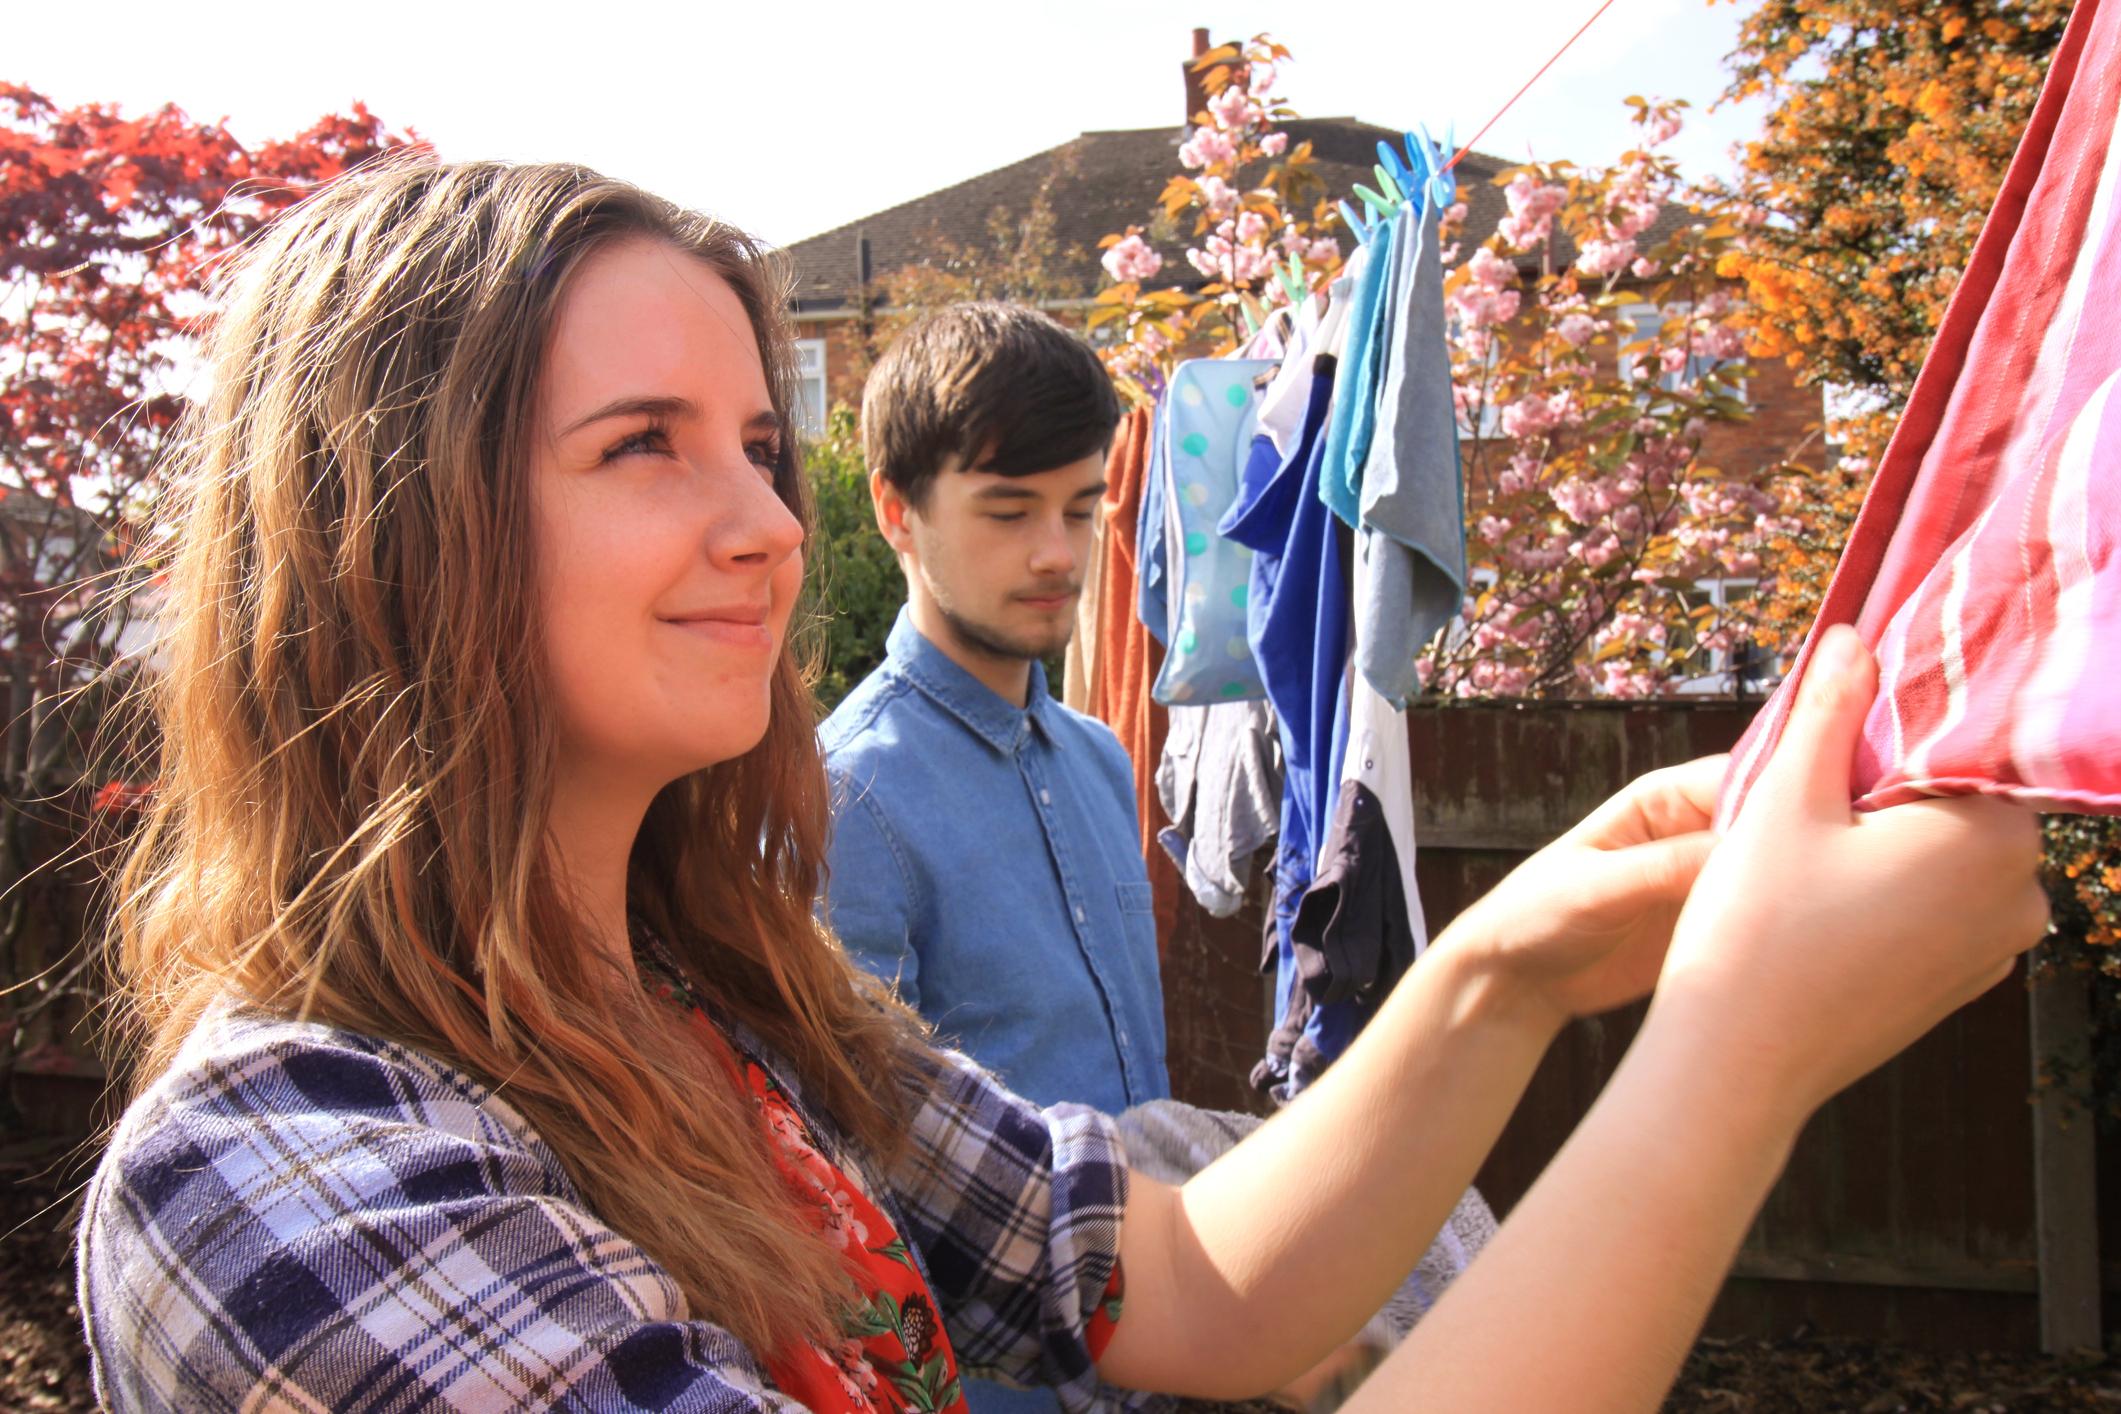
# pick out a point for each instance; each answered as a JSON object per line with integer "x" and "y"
{"x": 1380, "y": 758}
{"x": 1318, "y": 330}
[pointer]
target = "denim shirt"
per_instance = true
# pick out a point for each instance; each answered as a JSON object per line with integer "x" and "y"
{"x": 986, "y": 858}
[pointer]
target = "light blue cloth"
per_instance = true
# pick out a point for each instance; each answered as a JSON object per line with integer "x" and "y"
{"x": 1412, "y": 491}
{"x": 1353, "y": 424}
{"x": 1152, "y": 590}
{"x": 1206, "y": 434}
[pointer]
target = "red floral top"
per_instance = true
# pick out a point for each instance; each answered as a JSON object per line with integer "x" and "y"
{"x": 893, "y": 1354}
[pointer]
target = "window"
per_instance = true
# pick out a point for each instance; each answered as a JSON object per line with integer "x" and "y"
{"x": 1489, "y": 412}
{"x": 1715, "y": 672}
{"x": 1646, "y": 322}
{"x": 810, "y": 386}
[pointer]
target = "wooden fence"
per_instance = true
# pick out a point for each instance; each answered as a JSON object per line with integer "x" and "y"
{"x": 1910, "y": 1209}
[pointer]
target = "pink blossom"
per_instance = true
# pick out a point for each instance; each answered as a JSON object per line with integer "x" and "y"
{"x": 1263, "y": 78}
{"x": 1218, "y": 196}
{"x": 1644, "y": 268}
{"x": 1672, "y": 360}
{"x": 1602, "y": 258}
{"x": 1208, "y": 147}
{"x": 1232, "y": 109}
{"x": 1577, "y": 329}
{"x": 1274, "y": 144}
{"x": 1132, "y": 259}
{"x": 1454, "y": 214}
{"x": 1664, "y": 126}
{"x": 1479, "y": 309}
{"x": 1251, "y": 227}
{"x": 1532, "y": 207}
{"x": 1720, "y": 342}
{"x": 1490, "y": 270}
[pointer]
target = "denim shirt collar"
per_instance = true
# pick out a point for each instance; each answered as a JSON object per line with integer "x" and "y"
{"x": 991, "y": 717}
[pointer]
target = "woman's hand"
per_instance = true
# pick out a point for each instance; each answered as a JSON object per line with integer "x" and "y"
{"x": 1581, "y": 926}
{"x": 1818, "y": 942}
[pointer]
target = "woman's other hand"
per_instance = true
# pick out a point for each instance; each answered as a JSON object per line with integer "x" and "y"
{"x": 1582, "y": 925}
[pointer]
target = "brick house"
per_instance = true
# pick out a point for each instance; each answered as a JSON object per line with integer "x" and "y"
{"x": 1103, "y": 182}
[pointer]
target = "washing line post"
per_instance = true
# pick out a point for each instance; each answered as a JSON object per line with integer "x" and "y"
{"x": 2065, "y": 1189}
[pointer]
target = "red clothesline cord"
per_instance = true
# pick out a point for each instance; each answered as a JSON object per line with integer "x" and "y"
{"x": 1527, "y": 84}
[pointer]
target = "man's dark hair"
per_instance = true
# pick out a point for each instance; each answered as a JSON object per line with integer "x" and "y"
{"x": 1001, "y": 387}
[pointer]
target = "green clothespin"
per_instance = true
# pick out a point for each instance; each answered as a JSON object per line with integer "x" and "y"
{"x": 1291, "y": 280}
{"x": 1389, "y": 187}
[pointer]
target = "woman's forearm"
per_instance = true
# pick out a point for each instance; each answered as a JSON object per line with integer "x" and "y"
{"x": 1592, "y": 1293}
{"x": 1276, "y": 1254}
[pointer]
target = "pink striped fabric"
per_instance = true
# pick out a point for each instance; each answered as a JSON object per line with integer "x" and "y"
{"x": 1983, "y": 569}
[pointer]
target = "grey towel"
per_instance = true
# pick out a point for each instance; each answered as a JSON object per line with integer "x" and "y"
{"x": 1170, "y": 1142}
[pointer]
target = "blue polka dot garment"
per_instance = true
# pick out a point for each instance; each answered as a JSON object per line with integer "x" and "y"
{"x": 1208, "y": 415}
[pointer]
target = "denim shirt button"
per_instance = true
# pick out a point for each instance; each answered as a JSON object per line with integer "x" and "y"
{"x": 1045, "y": 797}
{"x": 1079, "y": 915}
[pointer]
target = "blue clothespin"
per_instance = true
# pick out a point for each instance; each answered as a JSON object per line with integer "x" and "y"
{"x": 1408, "y": 177}
{"x": 1357, "y": 227}
{"x": 1440, "y": 186}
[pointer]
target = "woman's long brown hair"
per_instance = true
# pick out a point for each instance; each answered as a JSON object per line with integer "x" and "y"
{"x": 357, "y": 749}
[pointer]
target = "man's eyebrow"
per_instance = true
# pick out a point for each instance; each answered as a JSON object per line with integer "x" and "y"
{"x": 1004, "y": 491}
{"x": 636, "y": 405}
{"x": 1097, "y": 490}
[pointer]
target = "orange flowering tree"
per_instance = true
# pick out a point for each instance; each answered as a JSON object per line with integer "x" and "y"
{"x": 1889, "y": 131}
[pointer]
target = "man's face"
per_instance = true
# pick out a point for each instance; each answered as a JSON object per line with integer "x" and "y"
{"x": 1001, "y": 558}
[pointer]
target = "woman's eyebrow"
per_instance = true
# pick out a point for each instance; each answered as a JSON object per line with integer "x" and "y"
{"x": 637, "y": 405}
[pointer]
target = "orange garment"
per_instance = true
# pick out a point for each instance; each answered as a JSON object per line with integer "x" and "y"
{"x": 1128, "y": 658}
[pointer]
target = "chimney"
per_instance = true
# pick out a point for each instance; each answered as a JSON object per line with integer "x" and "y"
{"x": 1196, "y": 92}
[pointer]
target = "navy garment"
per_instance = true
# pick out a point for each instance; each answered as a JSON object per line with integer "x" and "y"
{"x": 1298, "y": 626}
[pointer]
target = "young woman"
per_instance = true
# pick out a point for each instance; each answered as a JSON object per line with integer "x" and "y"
{"x": 492, "y": 1058}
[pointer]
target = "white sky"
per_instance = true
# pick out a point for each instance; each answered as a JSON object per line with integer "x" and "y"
{"x": 790, "y": 118}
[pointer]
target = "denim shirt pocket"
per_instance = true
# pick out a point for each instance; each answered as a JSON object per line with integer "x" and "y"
{"x": 1136, "y": 896}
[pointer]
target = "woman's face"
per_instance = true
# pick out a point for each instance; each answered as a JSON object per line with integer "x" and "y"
{"x": 667, "y": 562}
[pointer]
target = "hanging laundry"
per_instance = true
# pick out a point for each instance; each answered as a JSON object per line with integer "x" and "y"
{"x": 1281, "y": 407}
{"x": 1206, "y": 431}
{"x": 1361, "y": 369}
{"x": 1411, "y": 494}
{"x": 1152, "y": 604}
{"x": 1220, "y": 785}
{"x": 1128, "y": 657}
{"x": 1360, "y": 925}
{"x": 1079, "y": 662}
{"x": 1299, "y": 632}
{"x": 1985, "y": 567}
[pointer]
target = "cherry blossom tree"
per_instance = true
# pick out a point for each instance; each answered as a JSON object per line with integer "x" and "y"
{"x": 1246, "y": 201}
{"x": 1593, "y": 347}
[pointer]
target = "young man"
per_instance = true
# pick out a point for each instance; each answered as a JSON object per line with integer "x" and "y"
{"x": 985, "y": 854}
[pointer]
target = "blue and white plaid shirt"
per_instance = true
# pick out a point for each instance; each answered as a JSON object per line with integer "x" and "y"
{"x": 298, "y": 1217}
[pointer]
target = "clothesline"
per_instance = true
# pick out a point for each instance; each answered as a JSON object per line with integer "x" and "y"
{"x": 1527, "y": 85}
